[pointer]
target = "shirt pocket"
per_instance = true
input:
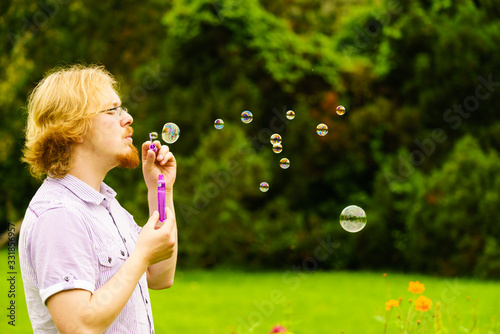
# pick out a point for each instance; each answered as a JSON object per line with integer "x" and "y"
{"x": 112, "y": 256}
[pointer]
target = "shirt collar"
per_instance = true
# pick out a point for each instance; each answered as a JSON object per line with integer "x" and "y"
{"x": 84, "y": 191}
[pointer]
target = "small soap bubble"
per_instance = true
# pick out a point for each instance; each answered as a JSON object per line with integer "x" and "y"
{"x": 153, "y": 135}
{"x": 277, "y": 148}
{"x": 353, "y": 219}
{"x": 264, "y": 187}
{"x": 284, "y": 163}
{"x": 290, "y": 114}
{"x": 340, "y": 110}
{"x": 170, "y": 133}
{"x": 275, "y": 139}
{"x": 322, "y": 129}
{"x": 246, "y": 117}
{"x": 219, "y": 124}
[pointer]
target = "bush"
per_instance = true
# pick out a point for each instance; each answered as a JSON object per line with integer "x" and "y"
{"x": 449, "y": 216}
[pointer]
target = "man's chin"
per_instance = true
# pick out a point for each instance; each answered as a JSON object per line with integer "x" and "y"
{"x": 129, "y": 159}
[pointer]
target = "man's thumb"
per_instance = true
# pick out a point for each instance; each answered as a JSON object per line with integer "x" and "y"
{"x": 153, "y": 219}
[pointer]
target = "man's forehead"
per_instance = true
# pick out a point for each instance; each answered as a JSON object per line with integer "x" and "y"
{"x": 110, "y": 98}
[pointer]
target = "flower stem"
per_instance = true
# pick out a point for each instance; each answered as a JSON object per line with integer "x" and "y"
{"x": 386, "y": 320}
{"x": 409, "y": 320}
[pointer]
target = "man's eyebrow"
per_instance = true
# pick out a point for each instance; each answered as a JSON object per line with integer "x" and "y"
{"x": 112, "y": 105}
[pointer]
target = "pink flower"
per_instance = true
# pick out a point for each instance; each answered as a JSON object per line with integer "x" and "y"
{"x": 278, "y": 329}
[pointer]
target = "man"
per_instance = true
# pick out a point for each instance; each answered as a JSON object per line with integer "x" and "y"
{"x": 86, "y": 265}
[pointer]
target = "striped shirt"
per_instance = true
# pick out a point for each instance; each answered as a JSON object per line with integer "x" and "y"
{"x": 74, "y": 237}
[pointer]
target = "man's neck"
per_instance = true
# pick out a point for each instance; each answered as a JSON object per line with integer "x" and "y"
{"x": 90, "y": 172}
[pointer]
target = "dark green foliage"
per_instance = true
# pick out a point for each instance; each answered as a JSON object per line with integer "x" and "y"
{"x": 401, "y": 69}
{"x": 449, "y": 216}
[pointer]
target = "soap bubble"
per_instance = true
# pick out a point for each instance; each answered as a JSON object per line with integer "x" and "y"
{"x": 170, "y": 133}
{"x": 353, "y": 219}
{"x": 340, "y": 110}
{"x": 219, "y": 124}
{"x": 322, "y": 129}
{"x": 153, "y": 135}
{"x": 264, "y": 186}
{"x": 277, "y": 148}
{"x": 275, "y": 139}
{"x": 290, "y": 114}
{"x": 284, "y": 163}
{"x": 246, "y": 117}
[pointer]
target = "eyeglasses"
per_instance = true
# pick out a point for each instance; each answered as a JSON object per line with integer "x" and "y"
{"x": 116, "y": 111}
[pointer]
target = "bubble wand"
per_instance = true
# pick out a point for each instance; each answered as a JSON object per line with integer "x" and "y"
{"x": 152, "y": 146}
{"x": 161, "y": 197}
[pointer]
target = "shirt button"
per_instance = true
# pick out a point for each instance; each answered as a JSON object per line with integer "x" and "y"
{"x": 109, "y": 259}
{"x": 66, "y": 278}
{"x": 124, "y": 240}
{"x": 123, "y": 253}
{"x": 147, "y": 301}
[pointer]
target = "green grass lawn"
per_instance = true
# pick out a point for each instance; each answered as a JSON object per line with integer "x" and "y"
{"x": 224, "y": 301}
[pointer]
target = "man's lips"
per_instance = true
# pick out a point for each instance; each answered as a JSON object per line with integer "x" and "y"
{"x": 129, "y": 134}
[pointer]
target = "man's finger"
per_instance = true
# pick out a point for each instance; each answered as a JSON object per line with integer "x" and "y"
{"x": 145, "y": 148}
{"x": 170, "y": 221}
{"x": 148, "y": 156}
{"x": 168, "y": 157}
{"x": 153, "y": 219}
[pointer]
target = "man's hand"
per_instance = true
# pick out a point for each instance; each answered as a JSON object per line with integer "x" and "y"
{"x": 159, "y": 244}
{"x": 154, "y": 164}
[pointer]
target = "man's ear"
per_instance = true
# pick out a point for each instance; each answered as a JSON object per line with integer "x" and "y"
{"x": 79, "y": 139}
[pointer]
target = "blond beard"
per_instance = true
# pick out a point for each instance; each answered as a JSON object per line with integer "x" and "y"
{"x": 129, "y": 159}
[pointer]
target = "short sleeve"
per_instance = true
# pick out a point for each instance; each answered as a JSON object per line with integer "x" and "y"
{"x": 62, "y": 253}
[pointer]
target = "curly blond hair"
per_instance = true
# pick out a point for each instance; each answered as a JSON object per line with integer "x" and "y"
{"x": 59, "y": 113}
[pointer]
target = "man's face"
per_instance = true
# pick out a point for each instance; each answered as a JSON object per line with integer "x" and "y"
{"x": 111, "y": 136}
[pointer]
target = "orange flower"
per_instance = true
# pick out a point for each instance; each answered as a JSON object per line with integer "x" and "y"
{"x": 390, "y": 304}
{"x": 416, "y": 287}
{"x": 423, "y": 304}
